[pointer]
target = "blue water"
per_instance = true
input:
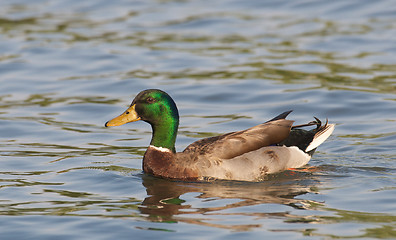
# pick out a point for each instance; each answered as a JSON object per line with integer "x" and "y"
{"x": 67, "y": 67}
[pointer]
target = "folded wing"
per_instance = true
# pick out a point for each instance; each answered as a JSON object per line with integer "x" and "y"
{"x": 234, "y": 144}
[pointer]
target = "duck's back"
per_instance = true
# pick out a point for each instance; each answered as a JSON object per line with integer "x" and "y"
{"x": 235, "y": 144}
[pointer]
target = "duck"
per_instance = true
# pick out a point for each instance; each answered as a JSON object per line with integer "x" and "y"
{"x": 247, "y": 155}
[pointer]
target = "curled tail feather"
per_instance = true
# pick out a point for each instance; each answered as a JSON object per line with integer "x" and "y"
{"x": 320, "y": 136}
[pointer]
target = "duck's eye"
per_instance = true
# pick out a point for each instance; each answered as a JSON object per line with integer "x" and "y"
{"x": 127, "y": 112}
{"x": 150, "y": 100}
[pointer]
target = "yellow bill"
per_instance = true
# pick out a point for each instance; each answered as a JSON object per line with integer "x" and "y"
{"x": 130, "y": 115}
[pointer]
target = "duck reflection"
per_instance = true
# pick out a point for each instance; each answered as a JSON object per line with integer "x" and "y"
{"x": 174, "y": 201}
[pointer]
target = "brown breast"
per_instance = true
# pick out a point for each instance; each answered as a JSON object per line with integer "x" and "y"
{"x": 166, "y": 164}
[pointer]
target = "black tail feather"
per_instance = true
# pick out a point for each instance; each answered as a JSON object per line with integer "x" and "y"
{"x": 281, "y": 116}
{"x": 302, "y": 138}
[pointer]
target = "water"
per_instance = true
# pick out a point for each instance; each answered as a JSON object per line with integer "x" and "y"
{"x": 66, "y": 67}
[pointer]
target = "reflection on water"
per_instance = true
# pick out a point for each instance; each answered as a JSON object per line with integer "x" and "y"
{"x": 253, "y": 202}
{"x": 221, "y": 198}
{"x": 284, "y": 198}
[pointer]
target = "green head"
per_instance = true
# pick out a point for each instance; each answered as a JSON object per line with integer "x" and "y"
{"x": 157, "y": 108}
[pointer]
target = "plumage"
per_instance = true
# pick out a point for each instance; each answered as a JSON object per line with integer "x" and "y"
{"x": 247, "y": 155}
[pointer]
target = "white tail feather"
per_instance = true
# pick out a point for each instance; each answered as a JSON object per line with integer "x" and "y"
{"x": 321, "y": 136}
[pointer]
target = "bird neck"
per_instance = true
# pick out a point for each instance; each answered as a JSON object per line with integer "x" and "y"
{"x": 164, "y": 133}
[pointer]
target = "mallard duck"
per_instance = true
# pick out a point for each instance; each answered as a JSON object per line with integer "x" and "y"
{"x": 247, "y": 155}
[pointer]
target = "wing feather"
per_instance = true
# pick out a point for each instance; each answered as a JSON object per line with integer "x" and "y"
{"x": 234, "y": 144}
